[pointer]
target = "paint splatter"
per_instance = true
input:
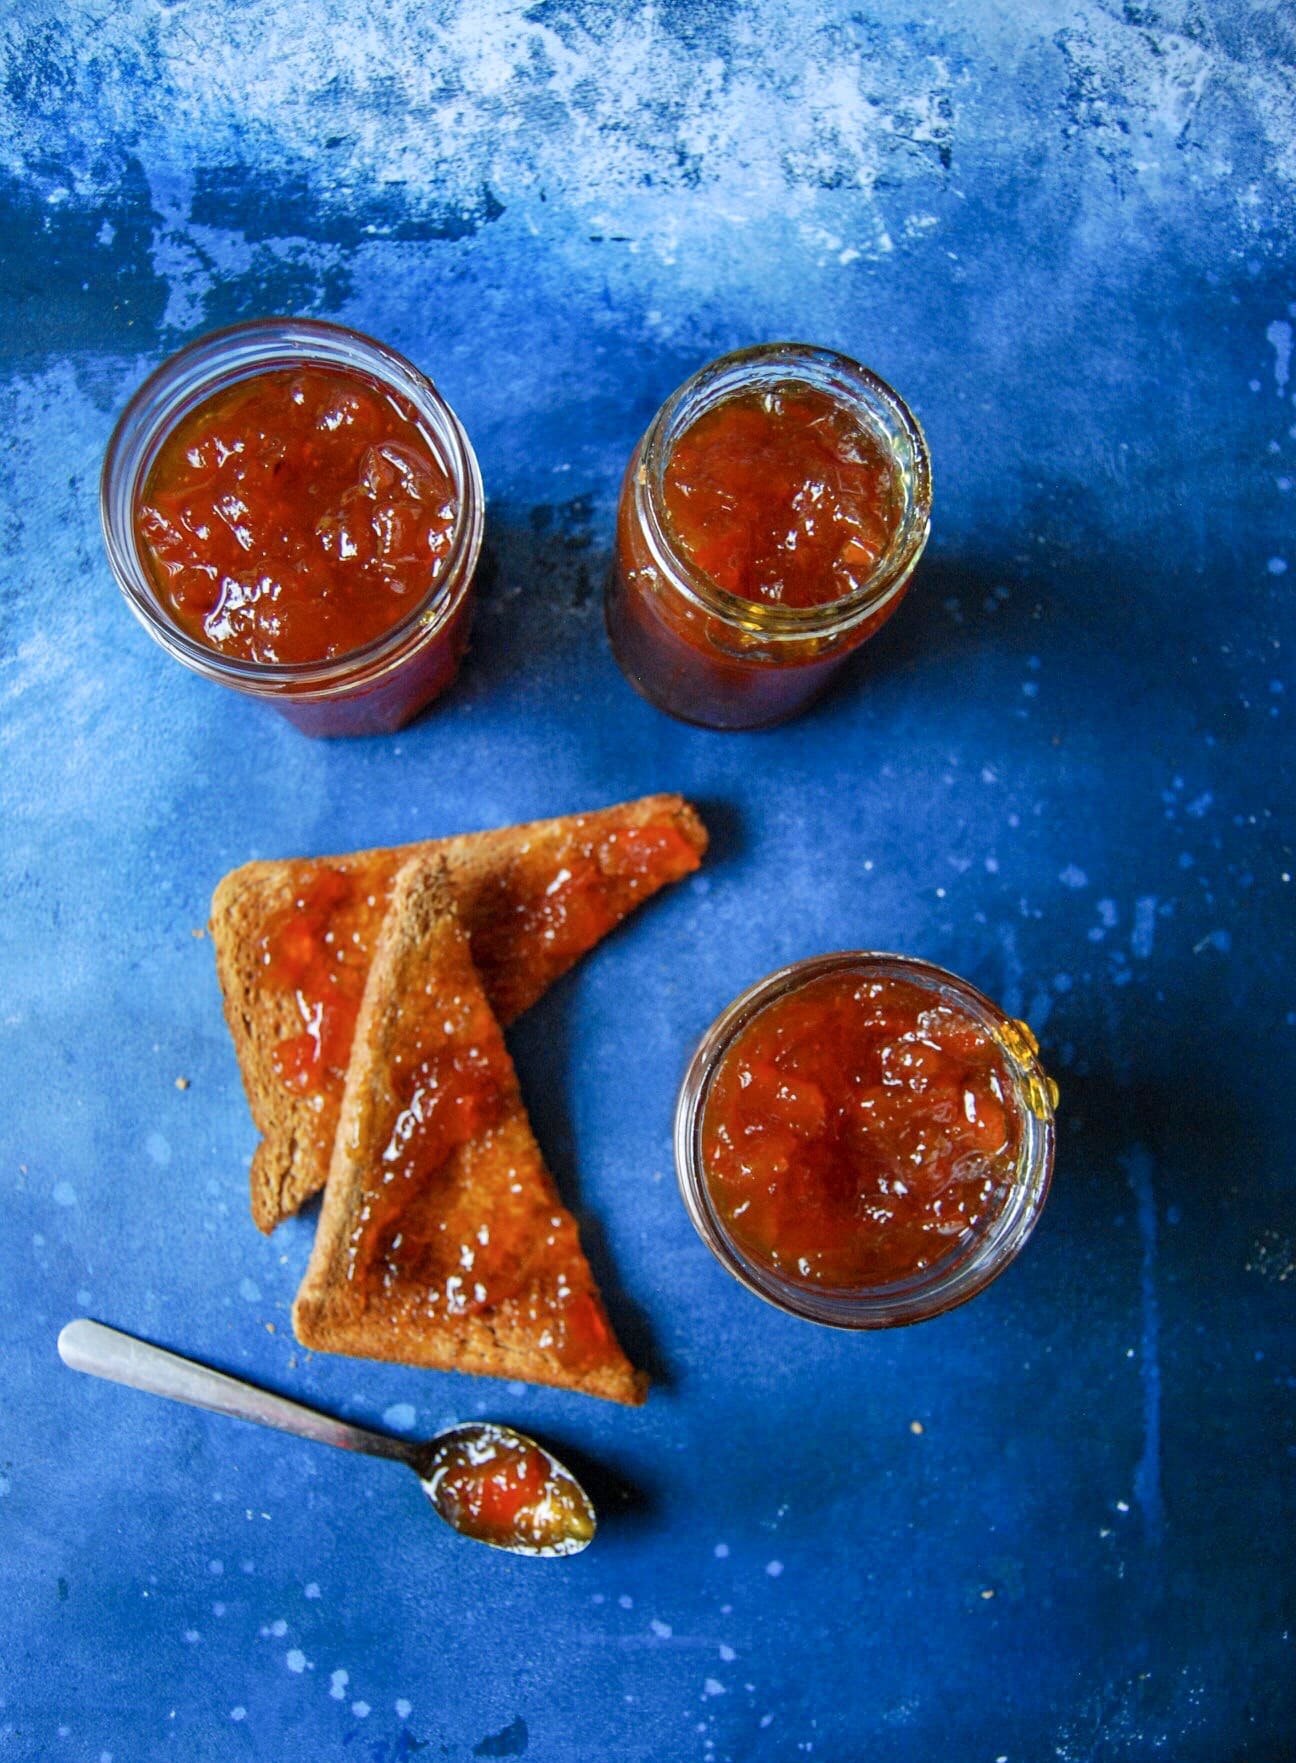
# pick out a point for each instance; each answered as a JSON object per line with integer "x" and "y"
{"x": 1143, "y": 935}
{"x": 1279, "y": 337}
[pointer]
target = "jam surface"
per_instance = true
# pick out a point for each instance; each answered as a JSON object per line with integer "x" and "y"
{"x": 295, "y": 516}
{"x": 856, "y": 1129}
{"x": 781, "y": 496}
{"x": 501, "y": 1488}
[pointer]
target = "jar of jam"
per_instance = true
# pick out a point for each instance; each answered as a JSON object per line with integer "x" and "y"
{"x": 769, "y": 522}
{"x": 293, "y": 510}
{"x": 865, "y": 1140}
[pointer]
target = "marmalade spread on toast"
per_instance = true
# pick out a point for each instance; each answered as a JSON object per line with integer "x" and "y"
{"x": 856, "y": 1129}
{"x": 296, "y": 515}
{"x": 318, "y": 948}
{"x": 458, "y": 1206}
{"x": 527, "y": 925}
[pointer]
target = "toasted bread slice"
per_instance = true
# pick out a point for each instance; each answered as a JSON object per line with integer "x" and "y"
{"x": 293, "y": 942}
{"x": 442, "y": 1241}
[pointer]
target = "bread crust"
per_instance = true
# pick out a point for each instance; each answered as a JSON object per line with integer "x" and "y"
{"x": 502, "y": 882}
{"x": 397, "y": 1257}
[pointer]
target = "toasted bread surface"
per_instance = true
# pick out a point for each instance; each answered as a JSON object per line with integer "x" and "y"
{"x": 442, "y": 1241}
{"x": 293, "y": 942}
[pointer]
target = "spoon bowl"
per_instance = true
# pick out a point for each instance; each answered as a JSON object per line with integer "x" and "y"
{"x": 502, "y": 1488}
{"x": 485, "y": 1480}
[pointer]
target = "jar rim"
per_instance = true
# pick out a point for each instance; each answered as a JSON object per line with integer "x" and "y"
{"x": 223, "y": 357}
{"x": 969, "y": 1266}
{"x": 865, "y": 393}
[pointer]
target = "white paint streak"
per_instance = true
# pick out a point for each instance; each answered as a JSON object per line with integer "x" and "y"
{"x": 1279, "y": 338}
{"x": 1143, "y": 935}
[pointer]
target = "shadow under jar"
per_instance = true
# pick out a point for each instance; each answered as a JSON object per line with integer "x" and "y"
{"x": 769, "y": 522}
{"x": 292, "y": 510}
{"x": 865, "y": 1140}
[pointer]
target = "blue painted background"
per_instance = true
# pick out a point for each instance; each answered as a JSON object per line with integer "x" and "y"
{"x": 1056, "y": 1524}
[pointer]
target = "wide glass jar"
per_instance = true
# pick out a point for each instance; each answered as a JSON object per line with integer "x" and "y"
{"x": 389, "y": 676}
{"x": 690, "y": 644}
{"x": 865, "y": 1140}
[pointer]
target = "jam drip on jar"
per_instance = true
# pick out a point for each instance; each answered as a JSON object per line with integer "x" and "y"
{"x": 856, "y": 1130}
{"x": 781, "y": 497}
{"x": 295, "y": 516}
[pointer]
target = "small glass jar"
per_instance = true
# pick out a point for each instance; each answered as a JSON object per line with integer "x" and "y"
{"x": 372, "y": 689}
{"x": 706, "y": 655}
{"x": 974, "y": 1259}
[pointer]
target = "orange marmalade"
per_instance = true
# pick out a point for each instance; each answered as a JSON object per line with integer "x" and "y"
{"x": 296, "y": 515}
{"x": 856, "y": 1130}
{"x": 502, "y": 1488}
{"x": 317, "y": 947}
{"x": 781, "y": 496}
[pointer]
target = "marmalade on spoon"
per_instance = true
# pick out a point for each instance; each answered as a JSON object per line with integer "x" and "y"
{"x": 501, "y": 1488}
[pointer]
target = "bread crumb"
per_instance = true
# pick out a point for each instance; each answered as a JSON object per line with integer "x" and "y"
{"x": 200, "y": 932}
{"x": 988, "y": 1592}
{"x": 270, "y": 1328}
{"x": 182, "y": 1083}
{"x": 915, "y": 1426}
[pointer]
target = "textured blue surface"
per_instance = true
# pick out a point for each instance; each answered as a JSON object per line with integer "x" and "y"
{"x": 1066, "y": 234}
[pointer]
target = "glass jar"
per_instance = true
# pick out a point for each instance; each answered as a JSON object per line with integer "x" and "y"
{"x": 372, "y": 689}
{"x": 704, "y": 654}
{"x": 976, "y": 1257}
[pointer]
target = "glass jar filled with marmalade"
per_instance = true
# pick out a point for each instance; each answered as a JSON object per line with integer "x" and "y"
{"x": 293, "y": 510}
{"x": 864, "y": 1139}
{"x": 769, "y": 522}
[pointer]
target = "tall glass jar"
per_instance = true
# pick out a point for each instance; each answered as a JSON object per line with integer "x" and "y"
{"x": 372, "y": 689}
{"x": 972, "y": 1260}
{"x": 704, "y": 654}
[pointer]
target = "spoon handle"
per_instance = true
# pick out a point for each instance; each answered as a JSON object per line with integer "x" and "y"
{"x": 105, "y": 1352}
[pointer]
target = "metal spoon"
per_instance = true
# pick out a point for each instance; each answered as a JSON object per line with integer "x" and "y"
{"x": 486, "y": 1481}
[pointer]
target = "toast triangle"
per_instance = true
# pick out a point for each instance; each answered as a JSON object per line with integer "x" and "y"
{"x": 442, "y": 1241}
{"x": 533, "y": 899}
